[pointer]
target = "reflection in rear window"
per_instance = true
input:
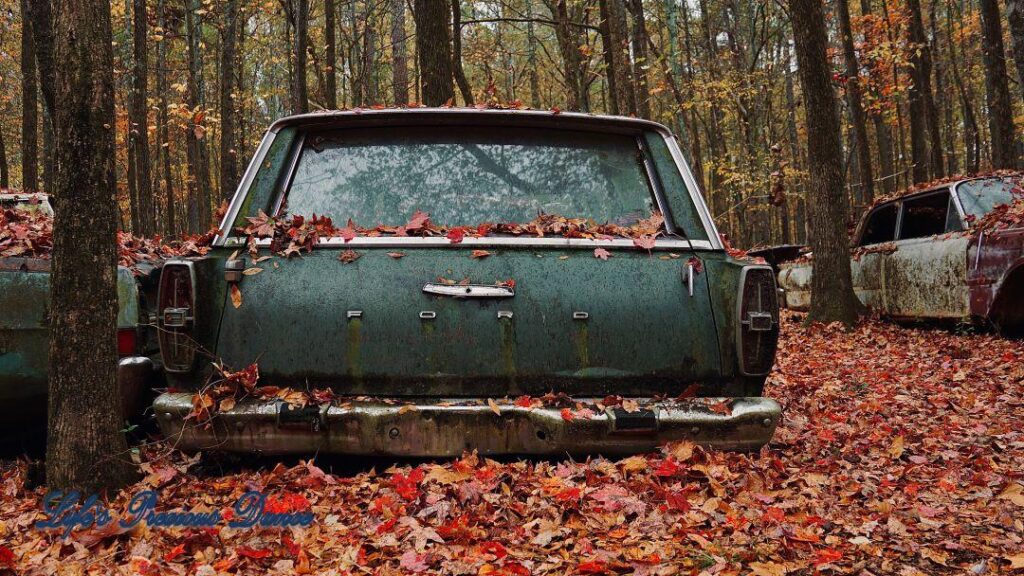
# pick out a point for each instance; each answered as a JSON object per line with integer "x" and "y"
{"x": 979, "y": 197}
{"x": 470, "y": 175}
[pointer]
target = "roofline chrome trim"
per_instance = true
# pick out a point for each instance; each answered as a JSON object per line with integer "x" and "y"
{"x": 714, "y": 239}
{"x": 583, "y": 118}
{"x": 662, "y": 244}
{"x": 224, "y": 230}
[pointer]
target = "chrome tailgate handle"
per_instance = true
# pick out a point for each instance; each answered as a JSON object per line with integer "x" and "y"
{"x": 469, "y": 290}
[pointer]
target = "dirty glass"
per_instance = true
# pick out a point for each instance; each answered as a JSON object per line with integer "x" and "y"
{"x": 979, "y": 197}
{"x": 470, "y": 175}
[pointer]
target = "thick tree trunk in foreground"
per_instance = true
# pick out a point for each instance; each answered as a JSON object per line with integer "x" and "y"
{"x": 138, "y": 133}
{"x": 399, "y": 59}
{"x": 866, "y": 191}
{"x": 228, "y": 153}
{"x": 997, "y": 92}
{"x": 29, "y": 107}
{"x": 433, "y": 46}
{"x": 832, "y": 297}
{"x": 86, "y": 450}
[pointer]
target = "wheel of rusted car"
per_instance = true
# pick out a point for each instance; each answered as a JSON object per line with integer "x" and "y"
{"x": 1007, "y": 312}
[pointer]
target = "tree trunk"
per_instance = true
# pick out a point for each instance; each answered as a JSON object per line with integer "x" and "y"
{"x": 138, "y": 134}
{"x": 228, "y": 152}
{"x": 433, "y": 46}
{"x": 196, "y": 152}
{"x": 85, "y": 449}
{"x": 639, "y": 40}
{"x": 5, "y": 173}
{"x": 399, "y": 56}
{"x": 997, "y": 92}
{"x": 162, "y": 122}
{"x": 832, "y": 297}
{"x": 300, "y": 90}
{"x": 460, "y": 74}
{"x": 925, "y": 142}
{"x": 531, "y": 58}
{"x": 866, "y": 191}
{"x": 1015, "y": 16}
{"x": 614, "y": 37}
{"x": 331, "y": 55}
{"x": 29, "y": 107}
{"x": 972, "y": 142}
{"x": 369, "y": 76}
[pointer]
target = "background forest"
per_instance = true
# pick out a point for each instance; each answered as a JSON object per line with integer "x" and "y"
{"x": 926, "y": 88}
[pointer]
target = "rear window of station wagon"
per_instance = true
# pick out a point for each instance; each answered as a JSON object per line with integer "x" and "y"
{"x": 471, "y": 175}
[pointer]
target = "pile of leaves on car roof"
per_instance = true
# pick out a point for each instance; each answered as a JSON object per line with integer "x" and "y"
{"x": 292, "y": 234}
{"x": 29, "y": 234}
{"x": 901, "y": 452}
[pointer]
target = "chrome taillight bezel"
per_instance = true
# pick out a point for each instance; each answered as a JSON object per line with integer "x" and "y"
{"x": 176, "y": 321}
{"x": 760, "y": 323}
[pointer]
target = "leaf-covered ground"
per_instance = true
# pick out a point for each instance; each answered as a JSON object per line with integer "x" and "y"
{"x": 901, "y": 452}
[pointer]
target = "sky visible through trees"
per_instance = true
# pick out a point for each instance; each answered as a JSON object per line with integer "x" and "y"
{"x": 924, "y": 88}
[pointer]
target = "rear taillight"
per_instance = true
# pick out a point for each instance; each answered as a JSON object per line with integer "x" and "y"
{"x": 127, "y": 342}
{"x": 758, "y": 320}
{"x": 176, "y": 306}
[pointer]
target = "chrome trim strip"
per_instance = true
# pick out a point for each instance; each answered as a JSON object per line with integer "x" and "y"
{"x": 491, "y": 241}
{"x": 694, "y": 190}
{"x": 468, "y": 290}
{"x": 243, "y": 187}
{"x": 298, "y": 146}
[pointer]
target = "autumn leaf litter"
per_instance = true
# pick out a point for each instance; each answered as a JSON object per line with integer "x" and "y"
{"x": 901, "y": 452}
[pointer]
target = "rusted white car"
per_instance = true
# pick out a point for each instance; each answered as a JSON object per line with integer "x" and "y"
{"x": 931, "y": 255}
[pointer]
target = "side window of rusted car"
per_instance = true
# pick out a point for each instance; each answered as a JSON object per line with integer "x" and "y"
{"x": 881, "y": 226}
{"x": 925, "y": 215}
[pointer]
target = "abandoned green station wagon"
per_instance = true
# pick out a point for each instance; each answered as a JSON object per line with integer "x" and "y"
{"x": 423, "y": 366}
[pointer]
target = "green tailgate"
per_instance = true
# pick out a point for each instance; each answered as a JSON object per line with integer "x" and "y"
{"x": 358, "y": 327}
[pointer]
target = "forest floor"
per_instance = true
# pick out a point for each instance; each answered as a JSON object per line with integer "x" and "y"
{"x": 901, "y": 452}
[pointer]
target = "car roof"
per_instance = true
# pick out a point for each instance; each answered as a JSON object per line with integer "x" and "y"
{"x": 469, "y": 117}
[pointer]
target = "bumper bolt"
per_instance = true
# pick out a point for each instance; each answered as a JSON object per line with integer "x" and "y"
{"x": 767, "y": 422}
{"x": 393, "y": 433}
{"x": 695, "y": 430}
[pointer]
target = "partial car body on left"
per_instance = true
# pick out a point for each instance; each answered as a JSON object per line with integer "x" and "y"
{"x": 24, "y": 331}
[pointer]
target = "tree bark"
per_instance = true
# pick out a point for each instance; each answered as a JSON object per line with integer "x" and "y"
{"x": 29, "y": 106}
{"x": 1015, "y": 17}
{"x": 197, "y": 157}
{"x": 433, "y": 45}
{"x": 300, "y": 89}
{"x": 972, "y": 141}
{"x": 399, "y": 56}
{"x": 925, "y": 141}
{"x": 866, "y": 192}
{"x": 369, "y": 76}
{"x": 138, "y": 134}
{"x": 613, "y": 40}
{"x": 228, "y": 152}
{"x": 832, "y": 297}
{"x": 5, "y": 172}
{"x": 85, "y": 449}
{"x": 997, "y": 92}
{"x": 639, "y": 39}
{"x": 331, "y": 55}
{"x": 162, "y": 123}
{"x": 460, "y": 75}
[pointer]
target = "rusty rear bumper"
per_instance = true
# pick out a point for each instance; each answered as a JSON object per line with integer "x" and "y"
{"x": 439, "y": 428}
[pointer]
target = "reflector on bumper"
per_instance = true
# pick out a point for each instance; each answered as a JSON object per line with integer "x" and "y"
{"x": 440, "y": 428}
